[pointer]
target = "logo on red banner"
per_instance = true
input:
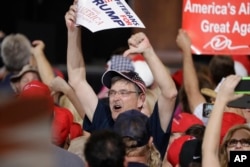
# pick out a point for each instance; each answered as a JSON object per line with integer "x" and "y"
{"x": 218, "y": 27}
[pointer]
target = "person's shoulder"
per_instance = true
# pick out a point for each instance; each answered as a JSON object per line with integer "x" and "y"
{"x": 77, "y": 145}
{"x": 64, "y": 158}
{"x": 5, "y": 86}
{"x": 103, "y": 108}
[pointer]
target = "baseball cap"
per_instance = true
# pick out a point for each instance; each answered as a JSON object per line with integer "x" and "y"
{"x": 229, "y": 120}
{"x": 183, "y": 121}
{"x": 175, "y": 149}
{"x": 135, "y": 125}
{"x": 190, "y": 152}
{"x": 35, "y": 89}
{"x": 25, "y": 69}
{"x": 129, "y": 75}
{"x": 61, "y": 125}
{"x": 178, "y": 77}
{"x": 121, "y": 63}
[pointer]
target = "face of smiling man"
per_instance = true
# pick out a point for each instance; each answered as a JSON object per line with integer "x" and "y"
{"x": 124, "y": 96}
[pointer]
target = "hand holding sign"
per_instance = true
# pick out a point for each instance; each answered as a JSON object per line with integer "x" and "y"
{"x": 97, "y": 15}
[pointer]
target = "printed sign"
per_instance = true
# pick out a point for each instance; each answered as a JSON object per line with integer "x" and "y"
{"x": 99, "y": 15}
{"x": 218, "y": 27}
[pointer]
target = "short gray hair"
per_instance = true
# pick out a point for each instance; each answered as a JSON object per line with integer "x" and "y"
{"x": 15, "y": 51}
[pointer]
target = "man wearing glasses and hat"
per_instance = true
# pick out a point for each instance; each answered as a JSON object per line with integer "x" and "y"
{"x": 126, "y": 89}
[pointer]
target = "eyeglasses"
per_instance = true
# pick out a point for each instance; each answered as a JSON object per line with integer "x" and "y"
{"x": 234, "y": 142}
{"x": 123, "y": 93}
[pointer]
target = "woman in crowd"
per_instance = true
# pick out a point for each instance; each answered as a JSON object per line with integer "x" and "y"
{"x": 236, "y": 138}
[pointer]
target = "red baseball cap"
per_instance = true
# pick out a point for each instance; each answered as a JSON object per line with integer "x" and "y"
{"x": 175, "y": 149}
{"x": 61, "y": 125}
{"x": 183, "y": 121}
{"x": 178, "y": 77}
{"x": 35, "y": 89}
{"x": 229, "y": 120}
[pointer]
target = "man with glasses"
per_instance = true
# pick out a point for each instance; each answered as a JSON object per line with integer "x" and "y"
{"x": 127, "y": 90}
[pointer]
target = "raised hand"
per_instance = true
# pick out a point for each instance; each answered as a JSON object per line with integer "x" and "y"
{"x": 226, "y": 90}
{"x": 138, "y": 43}
{"x": 38, "y": 47}
{"x": 70, "y": 17}
{"x": 183, "y": 41}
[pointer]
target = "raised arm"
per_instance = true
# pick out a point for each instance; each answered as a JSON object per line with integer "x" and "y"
{"x": 75, "y": 65}
{"x": 44, "y": 67}
{"x": 139, "y": 43}
{"x": 190, "y": 79}
{"x": 211, "y": 141}
{"x": 58, "y": 84}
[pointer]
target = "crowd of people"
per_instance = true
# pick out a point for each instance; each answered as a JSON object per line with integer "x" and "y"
{"x": 144, "y": 116}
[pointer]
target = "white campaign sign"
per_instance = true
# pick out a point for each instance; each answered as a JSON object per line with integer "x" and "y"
{"x": 97, "y": 15}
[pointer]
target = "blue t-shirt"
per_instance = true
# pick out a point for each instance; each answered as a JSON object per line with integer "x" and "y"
{"x": 102, "y": 119}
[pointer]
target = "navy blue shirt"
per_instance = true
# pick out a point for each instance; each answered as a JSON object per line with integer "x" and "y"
{"x": 5, "y": 87}
{"x": 102, "y": 119}
{"x": 136, "y": 164}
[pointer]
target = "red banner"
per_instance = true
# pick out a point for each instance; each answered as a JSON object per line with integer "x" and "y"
{"x": 218, "y": 27}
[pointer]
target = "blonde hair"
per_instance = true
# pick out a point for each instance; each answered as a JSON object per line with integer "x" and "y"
{"x": 223, "y": 149}
{"x": 152, "y": 155}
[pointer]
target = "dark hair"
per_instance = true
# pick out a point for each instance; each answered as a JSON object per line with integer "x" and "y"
{"x": 221, "y": 66}
{"x": 196, "y": 130}
{"x": 204, "y": 80}
{"x": 194, "y": 164}
{"x": 105, "y": 148}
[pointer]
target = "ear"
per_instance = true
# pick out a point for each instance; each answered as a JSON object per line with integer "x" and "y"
{"x": 15, "y": 86}
{"x": 150, "y": 141}
{"x": 141, "y": 100}
{"x": 143, "y": 96}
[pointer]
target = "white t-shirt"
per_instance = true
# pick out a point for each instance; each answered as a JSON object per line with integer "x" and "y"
{"x": 198, "y": 113}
